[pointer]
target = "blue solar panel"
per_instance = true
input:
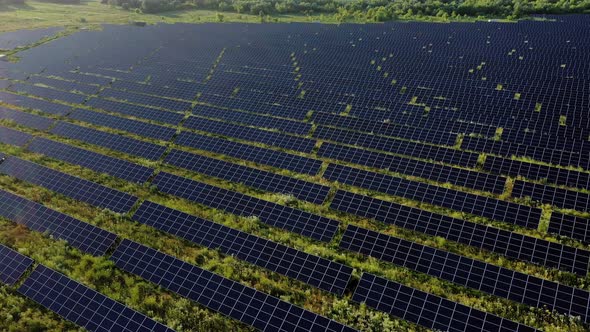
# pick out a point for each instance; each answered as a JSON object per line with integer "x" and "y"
{"x": 32, "y": 103}
{"x": 12, "y": 265}
{"x": 81, "y": 235}
{"x": 428, "y": 310}
{"x": 174, "y": 105}
{"x": 71, "y": 186}
{"x": 251, "y": 153}
{"x": 261, "y": 121}
{"x": 251, "y": 134}
{"x": 83, "y": 305}
{"x": 14, "y": 137}
{"x": 571, "y": 226}
{"x": 468, "y": 272}
{"x": 111, "y": 141}
{"x": 252, "y": 307}
{"x": 48, "y": 93}
{"x": 132, "y": 126}
{"x": 26, "y": 119}
{"x": 417, "y": 150}
{"x": 97, "y": 162}
{"x": 313, "y": 270}
{"x": 503, "y": 242}
{"x": 136, "y": 111}
{"x": 431, "y": 171}
{"x": 298, "y": 221}
{"x": 513, "y": 213}
{"x": 252, "y": 177}
{"x": 563, "y": 198}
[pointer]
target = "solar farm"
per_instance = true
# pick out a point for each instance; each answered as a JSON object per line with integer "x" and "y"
{"x": 402, "y": 176}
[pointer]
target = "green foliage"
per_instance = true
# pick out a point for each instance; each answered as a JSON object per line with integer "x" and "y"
{"x": 376, "y": 10}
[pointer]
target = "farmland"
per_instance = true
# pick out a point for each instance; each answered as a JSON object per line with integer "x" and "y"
{"x": 295, "y": 176}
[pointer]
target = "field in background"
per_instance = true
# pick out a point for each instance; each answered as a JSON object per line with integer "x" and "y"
{"x": 42, "y": 14}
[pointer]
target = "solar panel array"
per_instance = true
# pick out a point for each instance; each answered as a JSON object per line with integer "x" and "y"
{"x": 472, "y": 136}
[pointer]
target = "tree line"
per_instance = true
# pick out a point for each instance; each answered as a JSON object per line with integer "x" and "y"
{"x": 368, "y": 10}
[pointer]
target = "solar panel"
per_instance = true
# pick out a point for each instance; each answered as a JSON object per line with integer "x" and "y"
{"x": 21, "y": 38}
{"x": 559, "y": 176}
{"x": 557, "y": 157}
{"x": 316, "y": 271}
{"x": 12, "y": 265}
{"x": 136, "y": 111}
{"x": 381, "y": 143}
{"x": 13, "y": 137}
{"x": 252, "y": 307}
{"x": 64, "y": 85}
{"x": 251, "y": 153}
{"x": 563, "y": 198}
{"x": 174, "y": 105}
{"x": 32, "y": 103}
{"x": 83, "y": 305}
{"x": 289, "y": 126}
{"x": 468, "y": 272}
{"x": 298, "y": 221}
{"x": 251, "y": 134}
{"x": 92, "y": 160}
{"x": 48, "y": 93}
{"x": 513, "y": 213}
{"x": 431, "y": 171}
{"x": 428, "y": 310}
{"x": 71, "y": 186}
{"x": 163, "y": 91}
{"x": 252, "y": 177}
{"x": 571, "y": 226}
{"x": 132, "y": 126}
{"x": 81, "y": 235}
{"x": 26, "y": 119}
{"x": 503, "y": 242}
{"x": 395, "y": 145}
{"x": 111, "y": 141}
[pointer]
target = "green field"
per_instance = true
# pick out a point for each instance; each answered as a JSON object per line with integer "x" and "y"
{"x": 35, "y": 14}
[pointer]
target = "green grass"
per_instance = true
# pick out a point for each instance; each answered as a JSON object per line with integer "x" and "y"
{"x": 35, "y": 14}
